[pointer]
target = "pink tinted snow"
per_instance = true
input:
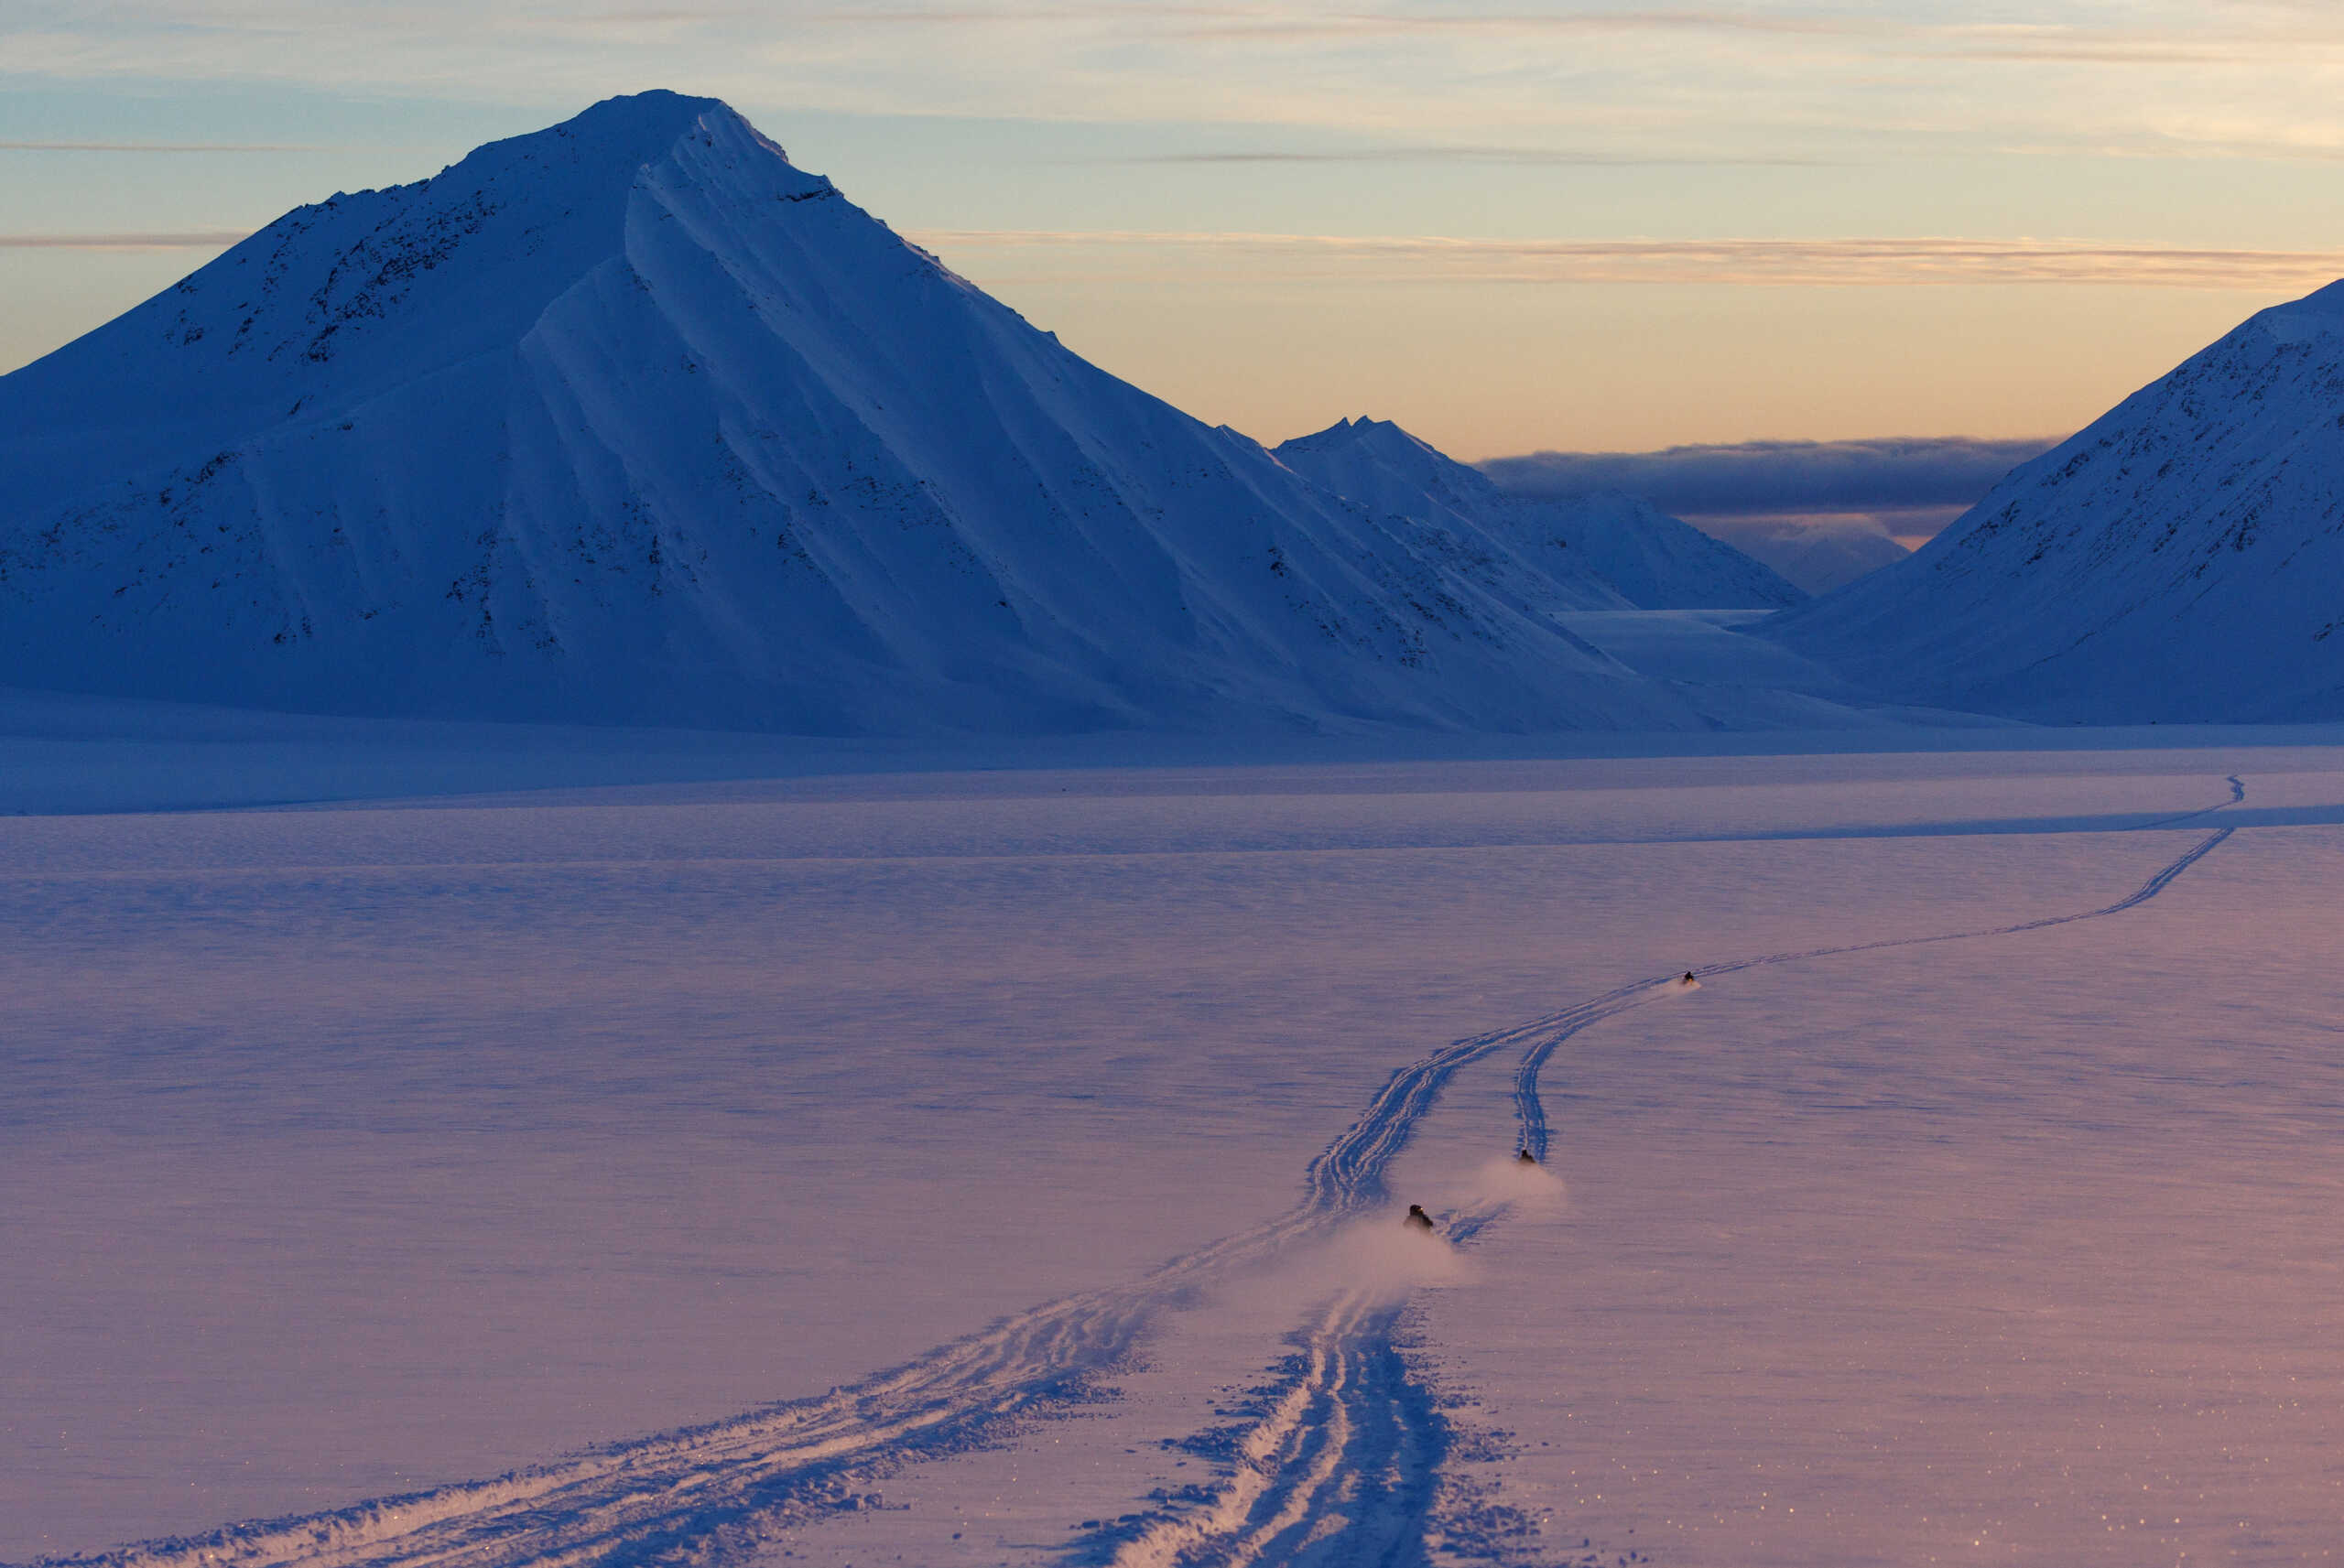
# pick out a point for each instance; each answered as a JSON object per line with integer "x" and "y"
{"x": 373, "y": 1147}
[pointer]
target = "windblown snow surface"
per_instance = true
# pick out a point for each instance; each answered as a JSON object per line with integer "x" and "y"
{"x": 1003, "y": 1167}
{"x": 630, "y": 421}
{"x": 2178, "y": 560}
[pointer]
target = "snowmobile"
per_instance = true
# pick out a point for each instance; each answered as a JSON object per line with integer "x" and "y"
{"x": 1524, "y": 1157}
{"x": 1418, "y": 1220}
{"x": 1687, "y": 979}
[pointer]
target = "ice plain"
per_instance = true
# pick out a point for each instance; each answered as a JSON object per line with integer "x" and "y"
{"x": 362, "y": 1146}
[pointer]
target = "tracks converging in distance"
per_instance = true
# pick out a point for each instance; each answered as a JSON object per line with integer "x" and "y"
{"x": 1342, "y": 1468}
{"x": 1318, "y": 1521}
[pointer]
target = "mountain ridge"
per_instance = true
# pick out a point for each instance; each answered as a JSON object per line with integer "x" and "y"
{"x": 2174, "y": 561}
{"x": 630, "y": 420}
{"x": 1604, "y": 551}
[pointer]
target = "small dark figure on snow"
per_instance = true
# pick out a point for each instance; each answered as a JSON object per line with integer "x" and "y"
{"x": 1689, "y": 980}
{"x": 1417, "y": 1218}
{"x": 1524, "y": 1157}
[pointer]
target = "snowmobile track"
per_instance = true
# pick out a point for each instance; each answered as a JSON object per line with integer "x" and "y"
{"x": 1531, "y": 1113}
{"x": 1346, "y": 1476}
{"x": 1340, "y": 1471}
{"x": 1307, "y": 1513}
{"x": 711, "y": 1494}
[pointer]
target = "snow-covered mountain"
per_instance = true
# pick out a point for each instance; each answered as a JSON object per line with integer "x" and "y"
{"x": 2180, "y": 560}
{"x": 1817, "y": 554}
{"x": 1601, "y": 552}
{"x": 632, "y": 421}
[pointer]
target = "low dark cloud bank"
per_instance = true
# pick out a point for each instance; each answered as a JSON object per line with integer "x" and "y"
{"x": 1779, "y": 477}
{"x": 1563, "y": 157}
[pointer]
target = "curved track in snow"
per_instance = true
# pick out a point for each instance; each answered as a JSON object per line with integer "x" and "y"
{"x": 1342, "y": 1471}
{"x": 1532, "y": 1115}
{"x": 713, "y": 1494}
{"x": 1283, "y": 1502}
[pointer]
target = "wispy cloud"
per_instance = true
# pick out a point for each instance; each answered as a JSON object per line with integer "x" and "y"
{"x": 2213, "y": 40}
{"x": 1529, "y": 157}
{"x": 188, "y": 240}
{"x": 1268, "y": 23}
{"x": 1786, "y": 82}
{"x": 1780, "y": 262}
{"x": 1397, "y": 258}
{"x": 159, "y": 147}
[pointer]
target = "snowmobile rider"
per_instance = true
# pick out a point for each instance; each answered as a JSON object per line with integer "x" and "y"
{"x": 1524, "y": 1157}
{"x": 1418, "y": 1220}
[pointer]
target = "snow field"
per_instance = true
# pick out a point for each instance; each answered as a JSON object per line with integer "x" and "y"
{"x": 399, "y": 1146}
{"x": 2015, "y": 1250}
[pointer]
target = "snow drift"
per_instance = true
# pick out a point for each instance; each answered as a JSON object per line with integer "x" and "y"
{"x": 2178, "y": 560}
{"x": 632, "y": 421}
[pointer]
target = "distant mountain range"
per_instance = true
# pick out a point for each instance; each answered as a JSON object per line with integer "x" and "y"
{"x": 1818, "y": 553}
{"x": 632, "y": 421}
{"x": 1604, "y": 551}
{"x": 2182, "y": 559}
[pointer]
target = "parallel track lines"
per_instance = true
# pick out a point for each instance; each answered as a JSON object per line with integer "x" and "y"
{"x": 1342, "y": 1531}
{"x": 711, "y": 1492}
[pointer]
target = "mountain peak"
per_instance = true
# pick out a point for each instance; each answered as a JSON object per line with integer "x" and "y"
{"x": 630, "y": 420}
{"x": 1378, "y": 434}
{"x": 618, "y": 134}
{"x": 1600, "y": 552}
{"x": 2317, "y": 314}
{"x": 345, "y": 298}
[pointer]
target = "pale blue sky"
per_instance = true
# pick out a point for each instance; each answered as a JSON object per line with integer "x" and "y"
{"x": 1279, "y": 214}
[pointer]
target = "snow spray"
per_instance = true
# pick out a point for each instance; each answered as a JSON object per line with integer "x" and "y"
{"x": 1524, "y": 1186}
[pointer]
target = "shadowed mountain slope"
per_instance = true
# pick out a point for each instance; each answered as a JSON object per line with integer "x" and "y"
{"x": 2182, "y": 559}
{"x": 632, "y": 421}
{"x": 1599, "y": 552}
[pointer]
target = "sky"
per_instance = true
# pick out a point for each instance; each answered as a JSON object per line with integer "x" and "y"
{"x": 1512, "y": 227}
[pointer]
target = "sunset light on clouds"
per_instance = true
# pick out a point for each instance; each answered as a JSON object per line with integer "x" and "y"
{"x": 1318, "y": 783}
{"x": 1562, "y": 221}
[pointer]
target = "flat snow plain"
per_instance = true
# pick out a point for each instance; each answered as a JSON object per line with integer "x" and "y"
{"x": 354, "y": 1150}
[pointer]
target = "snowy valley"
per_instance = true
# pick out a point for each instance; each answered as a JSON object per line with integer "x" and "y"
{"x": 677, "y": 895}
{"x": 422, "y": 1151}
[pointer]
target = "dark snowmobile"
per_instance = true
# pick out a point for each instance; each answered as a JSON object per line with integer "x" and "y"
{"x": 1418, "y": 1220}
{"x": 1524, "y": 1157}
